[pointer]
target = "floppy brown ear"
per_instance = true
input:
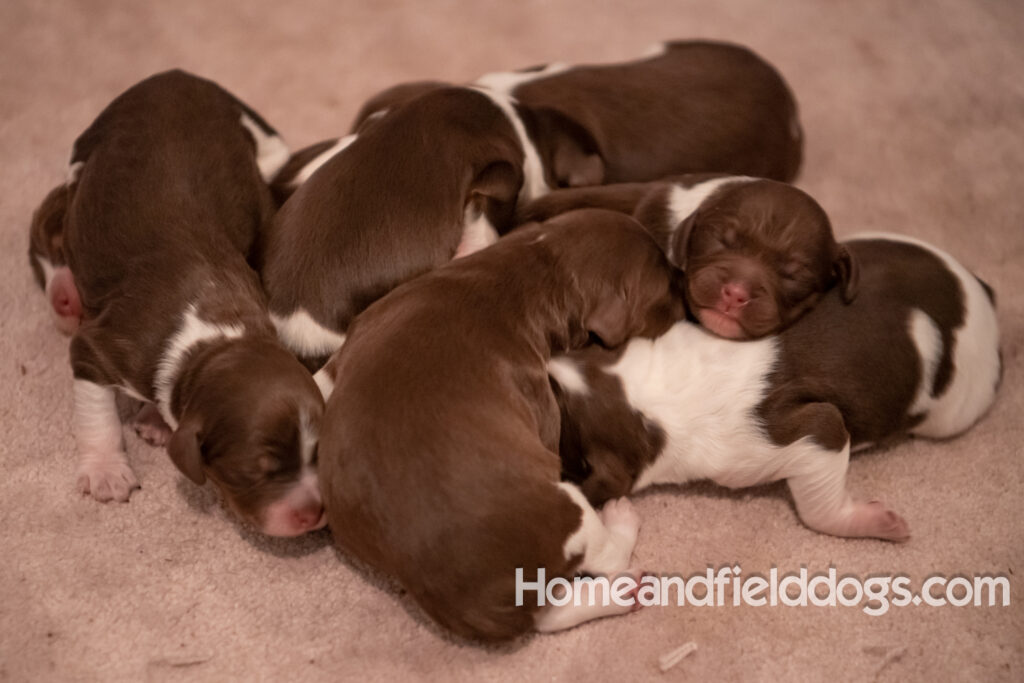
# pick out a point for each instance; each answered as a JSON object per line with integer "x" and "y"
{"x": 678, "y": 246}
{"x": 184, "y": 449}
{"x": 609, "y": 322}
{"x": 572, "y": 152}
{"x": 848, "y": 273}
{"x": 500, "y": 181}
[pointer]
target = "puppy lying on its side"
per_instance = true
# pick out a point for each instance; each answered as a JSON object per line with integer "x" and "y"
{"x": 685, "y": 107}
{"x": 164, "y": 210}
{"x": 438, "y": 450}
{"x": 917, "y": 352}
{"x": 757, "y": 253}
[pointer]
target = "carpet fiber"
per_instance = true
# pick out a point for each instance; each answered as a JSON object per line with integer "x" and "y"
{"x": 914, "y": 118}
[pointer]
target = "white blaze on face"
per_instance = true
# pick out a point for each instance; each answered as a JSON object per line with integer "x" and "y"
{"x": 683, "y": 201}
{"x": 477, "y": 233}
{"x": 301, "y": 509}
{"x": 568, "y": 376}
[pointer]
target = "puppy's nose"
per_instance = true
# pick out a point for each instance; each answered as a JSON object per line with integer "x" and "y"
{"x": 307, "y": 517}
{"x": 735, "y": 295}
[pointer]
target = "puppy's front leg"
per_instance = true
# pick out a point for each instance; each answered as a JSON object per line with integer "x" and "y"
{"x": 817, "y": 478}
{"x": 103, "y": 469}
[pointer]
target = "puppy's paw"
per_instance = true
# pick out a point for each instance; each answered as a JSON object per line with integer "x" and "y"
{"x": 150, "y": 426}
{"x": 620, "y": 517}
{"x": 877, "y": 520}
{"x": 107, "y": 478}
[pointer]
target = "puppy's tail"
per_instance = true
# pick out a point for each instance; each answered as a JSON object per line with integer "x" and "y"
{"x": 622, "y": 197}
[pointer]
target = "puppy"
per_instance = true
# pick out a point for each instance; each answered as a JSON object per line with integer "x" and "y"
{"x": 438, "y": 177}
{"x": 916, "y": 353}
{"x": 685, "y": 107}
{"x": 168, "y": 201}
{"x": 438, "y": 452}
{"x": 757, "y": 253}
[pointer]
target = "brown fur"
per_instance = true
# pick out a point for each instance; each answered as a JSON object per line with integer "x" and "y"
{"x": 163, "y": 216}
{"x": 460, "y": 489}
{"x": 392, "y": 205}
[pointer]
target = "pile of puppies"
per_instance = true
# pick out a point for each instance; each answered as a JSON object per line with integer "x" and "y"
{"x": 492, "y": 282}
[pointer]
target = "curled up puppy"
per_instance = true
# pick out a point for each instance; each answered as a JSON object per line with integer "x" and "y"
{"x": 917, "y": 352}
{"x": 168, "y": 202}
{"x": 438, "y": 451}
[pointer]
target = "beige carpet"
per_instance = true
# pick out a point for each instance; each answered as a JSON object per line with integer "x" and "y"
{"x": 914, "y": 115}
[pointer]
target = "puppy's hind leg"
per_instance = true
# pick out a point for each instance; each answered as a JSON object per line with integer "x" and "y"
{"x": 103, "y": 469}
{"x": 606, "y": 541}
{"x": 817, "y": 478}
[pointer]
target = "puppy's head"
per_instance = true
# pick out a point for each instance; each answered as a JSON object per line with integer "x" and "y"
{"x": 386, "y": 100}
{"x": 49, "y": 263}
{"x": 628, "y": 287}
{"x": 251, "y": 425}
{"x": 758, "y": 254}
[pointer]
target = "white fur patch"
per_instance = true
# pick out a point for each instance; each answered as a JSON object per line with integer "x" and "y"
{"x": 568, "y": 375}
{"x": 48, "y": 271}
{"x": 682, "y": 202}
{"x": 74, "y": 170}
{"x": 534, "y": 183}
{"x": 271, "y": 151}
{"x": 507, "y": 81}
{"x": 656, "y": 50}
{"x": 975, "y": 354}
{"x": 324, "y": 382}
{"x": 97, "y": 427}
{"x": 477, "y": 233}
{"x": 702, "y": 391}
{"x": 308, "y": 437}
{"x": 926, "y": 336}
{"x": 304, "y": 335}
{"x": 307, "y": 171}
{"x": 192, "y": 331}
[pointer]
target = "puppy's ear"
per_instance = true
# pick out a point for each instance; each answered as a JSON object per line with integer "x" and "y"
{"x": 848, "y": 274}
{"x": 679, "y": 242}
{"x": 500, "y": 181}
{"x": 184, "y": 449}
{"x": 609, "y": 322}
{"x": 573, "y": 153}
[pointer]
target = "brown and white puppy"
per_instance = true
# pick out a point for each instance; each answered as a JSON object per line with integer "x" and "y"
{"x": 436, "y": 178}
{"x": 438, "y": 452}
{"x": 168, "y": 201}
{"x": 757, "y": 253}
{"x": 685, "y": 107}
{"x": 916, "y": 353}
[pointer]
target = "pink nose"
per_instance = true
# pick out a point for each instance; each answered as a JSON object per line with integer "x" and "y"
{"x": 307, "y": 517}
{"x": 735, "y": 295}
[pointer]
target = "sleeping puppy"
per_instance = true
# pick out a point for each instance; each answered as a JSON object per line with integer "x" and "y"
{"x": 685, "y": 107}
{"x": 438, "y": 452}
{"x": 916, "y": 353}
{"x": 757, "y": 253}
{"x": 435, "y": 179}
{"x": 168, "y": 202}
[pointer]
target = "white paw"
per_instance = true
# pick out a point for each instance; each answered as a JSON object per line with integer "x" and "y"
{"x": 107, "y": 478}
{"x": 150, "y": 426}
{"x": 877, "y": 520}
{"x": 620, "y": 518}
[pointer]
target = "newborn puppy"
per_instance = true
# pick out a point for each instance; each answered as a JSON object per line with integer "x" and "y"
{"x": 916, "y": 353}
{"x": 168, "y": 202}
{"x": 757, "y": 253}
{"x": 436, "y": 178}
{"x": 438, "y": 452}
{"x": 687, "y": 106}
